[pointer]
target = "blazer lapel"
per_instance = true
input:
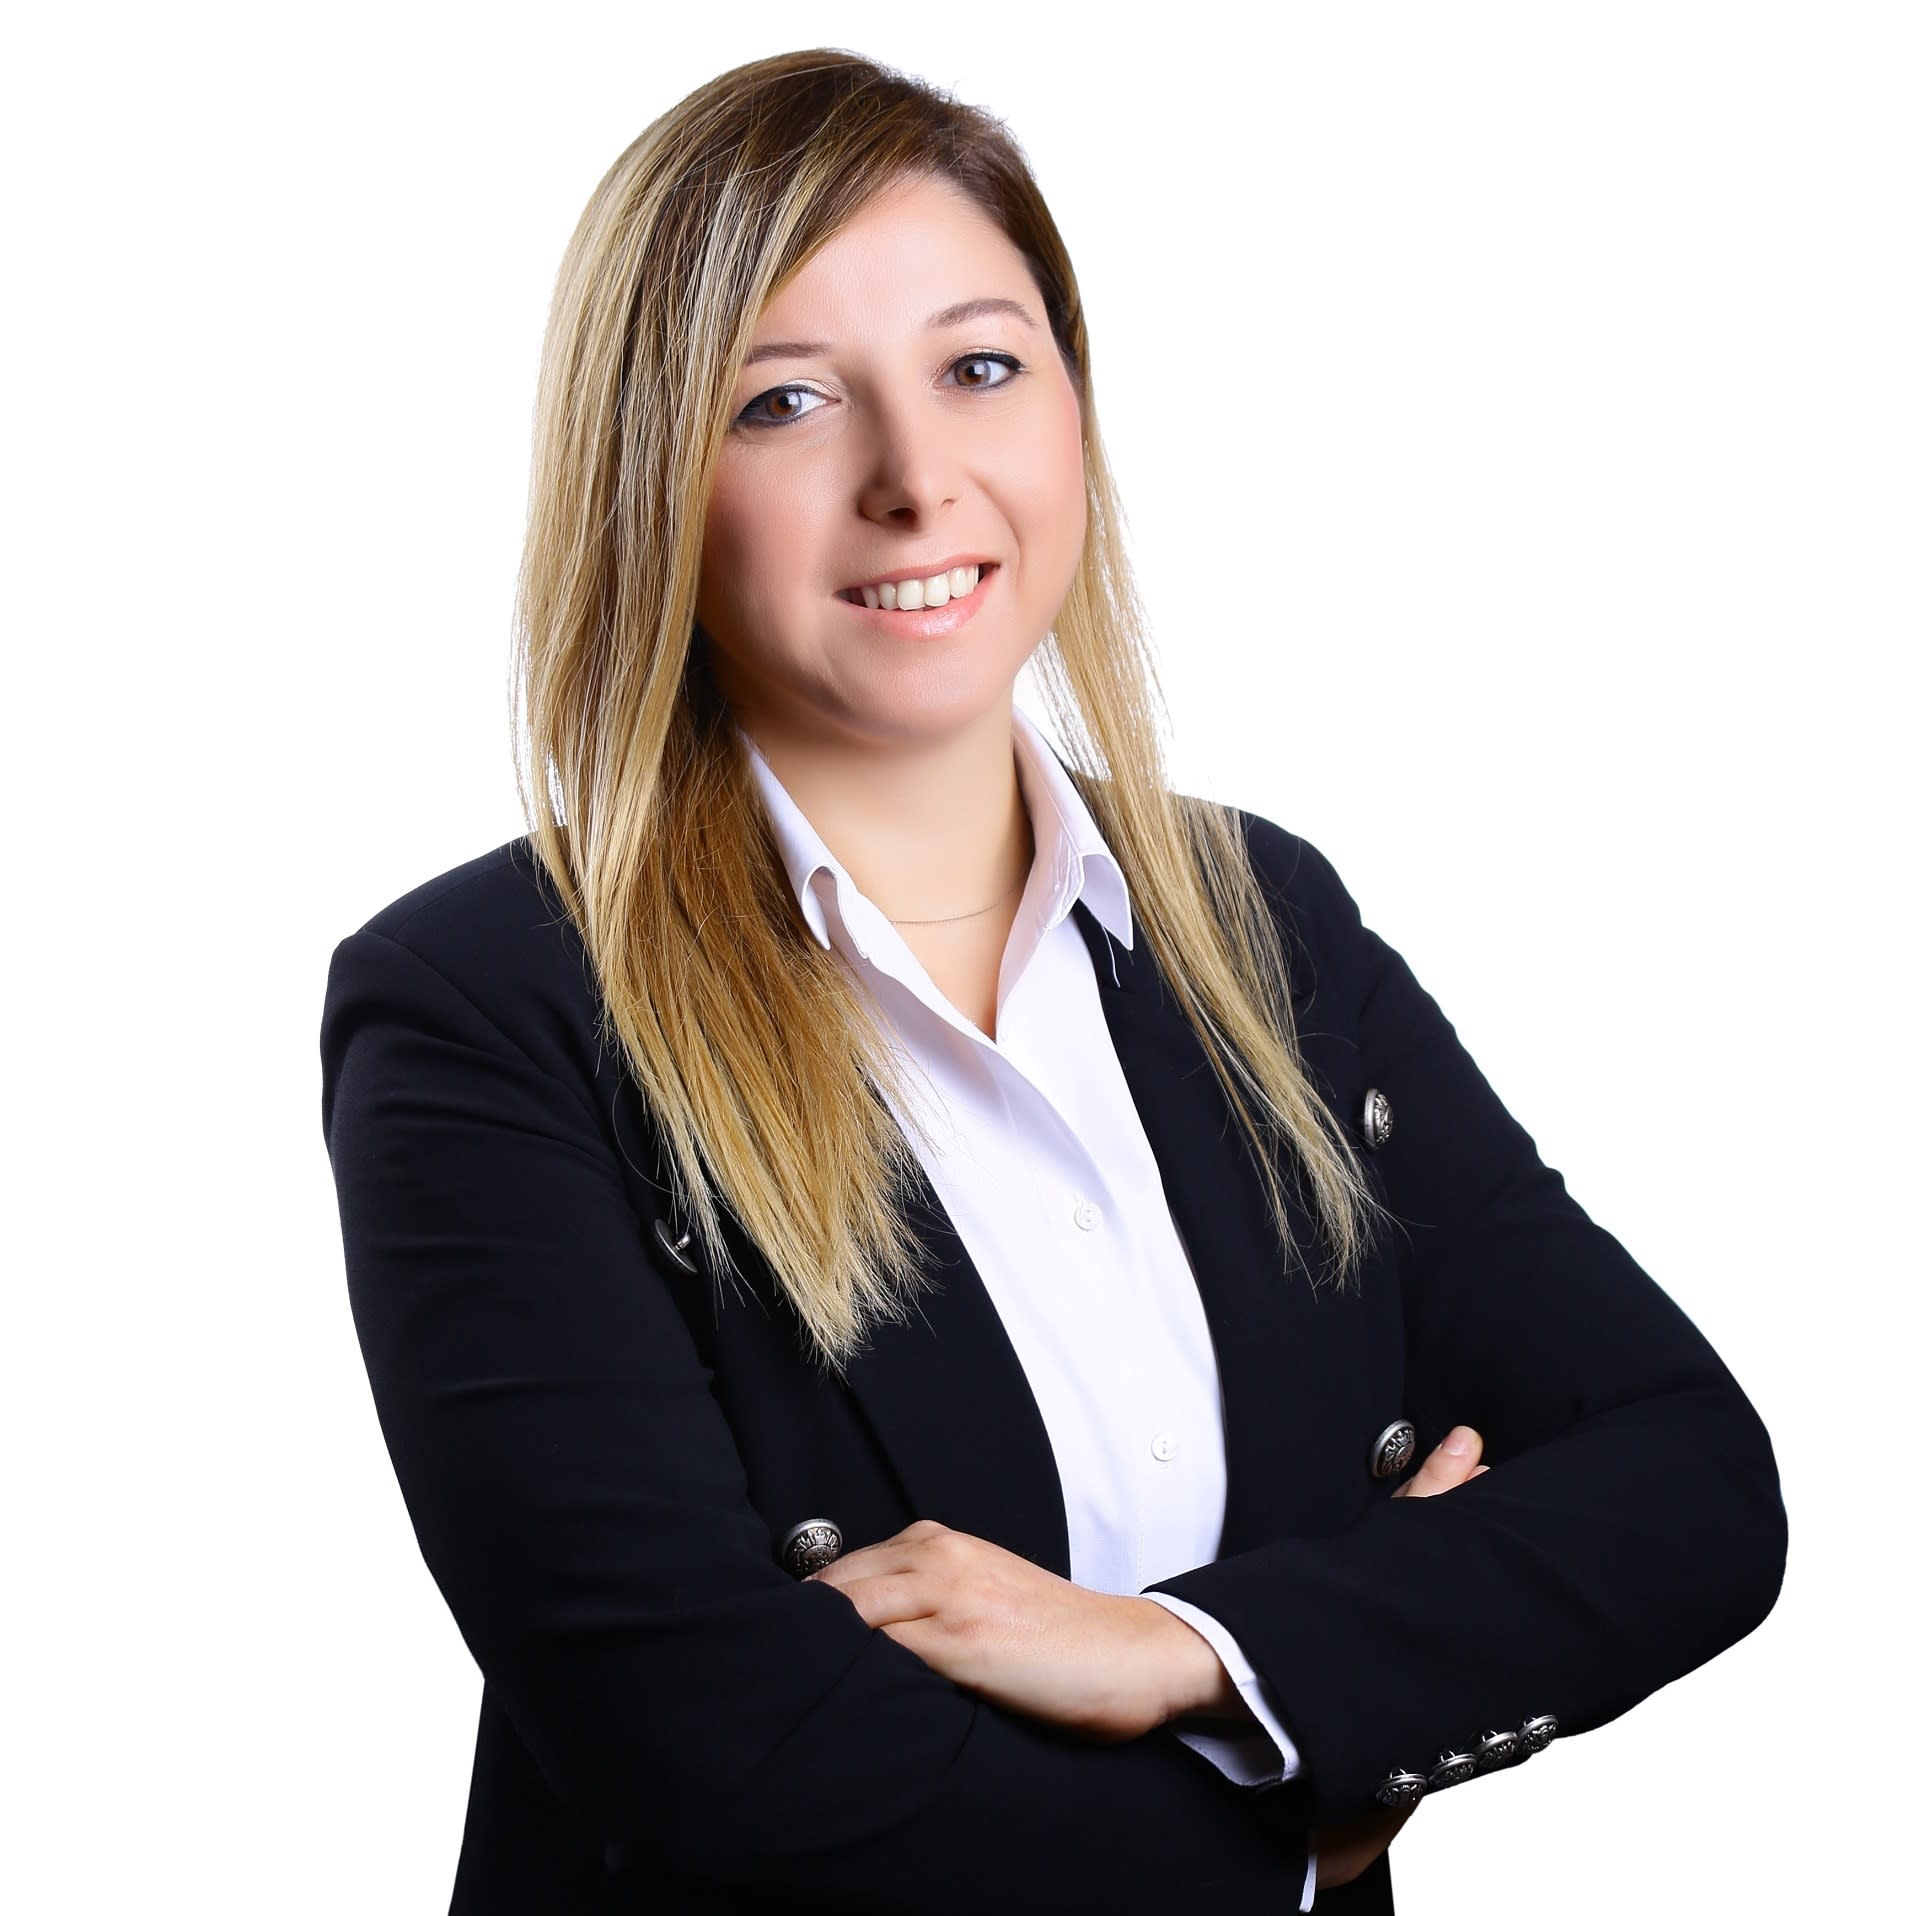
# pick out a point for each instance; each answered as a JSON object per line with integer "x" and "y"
{"x": 949, "y": 1401}
{"x": 951, "y": 1405}
{"x": 1286, "y": 1360}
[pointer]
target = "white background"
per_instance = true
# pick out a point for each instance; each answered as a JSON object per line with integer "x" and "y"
{"x": 1514, "y": 412}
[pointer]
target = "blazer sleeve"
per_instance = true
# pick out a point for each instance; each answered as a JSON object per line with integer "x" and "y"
{"x": 582, "y": 1506}
{"x": 1256, "y": 1753}
{"x": 1631, "y": 1525}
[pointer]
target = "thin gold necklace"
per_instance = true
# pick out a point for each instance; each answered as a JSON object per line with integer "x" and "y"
{"x": 954, "y": 918}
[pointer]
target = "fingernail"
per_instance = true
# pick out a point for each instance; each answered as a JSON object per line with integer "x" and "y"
{"x": 1458, "y": 1442}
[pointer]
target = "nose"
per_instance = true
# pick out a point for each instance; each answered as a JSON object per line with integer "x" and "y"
{"x": 913, "y": 468}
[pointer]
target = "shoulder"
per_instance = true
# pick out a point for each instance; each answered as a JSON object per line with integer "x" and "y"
{"x": 1309, "y": 898}
{"x": 493, "y": 930}
{"x": 1296, "y": 874}
{"x": 486, "y": 897}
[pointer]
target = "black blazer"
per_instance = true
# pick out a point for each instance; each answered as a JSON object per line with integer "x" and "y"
{"x": 601, "y": 1460}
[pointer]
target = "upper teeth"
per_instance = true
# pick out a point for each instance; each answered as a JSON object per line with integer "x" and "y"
{"x": 910, "y": 595}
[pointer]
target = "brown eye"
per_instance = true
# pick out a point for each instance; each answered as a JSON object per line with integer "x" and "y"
{"x": 972, "y": 361}
{"x": 779, "y": 407}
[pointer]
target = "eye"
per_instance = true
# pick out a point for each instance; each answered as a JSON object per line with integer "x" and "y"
{"x": 965, "y": 363}
{"x": 751, "y": 418}
{"x": 1013, "y": 367}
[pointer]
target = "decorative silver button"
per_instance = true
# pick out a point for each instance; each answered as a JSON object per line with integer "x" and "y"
{"x": 1376, "y": 1119}
{"x": 1401, "y": 1788}
{"x": 1393, "y": 1448}
{"x": 1453, "y": 1766}
{"x": 675, "y": 1246}
{"x": 811, "y": 1545}
{"x": 1536, "y": 1732}
{"x": 1495, "y": 1747}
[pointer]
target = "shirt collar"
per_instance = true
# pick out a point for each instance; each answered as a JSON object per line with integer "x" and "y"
{"x": 1070, "y": 857}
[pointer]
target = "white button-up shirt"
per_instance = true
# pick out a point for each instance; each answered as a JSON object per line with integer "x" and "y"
{"x": 1034, "y": 1146}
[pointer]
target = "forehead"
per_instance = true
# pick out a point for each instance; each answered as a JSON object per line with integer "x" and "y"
{"x": 921, "y": 245}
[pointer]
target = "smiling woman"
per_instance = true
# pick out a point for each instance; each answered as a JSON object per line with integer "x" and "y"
{"x": 1041, "y": 1530}
{"x": 952, "y": 432}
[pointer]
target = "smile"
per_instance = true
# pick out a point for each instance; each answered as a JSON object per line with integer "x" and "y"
{"x": 911, "y": 595}
{"x": 923, "y": 608}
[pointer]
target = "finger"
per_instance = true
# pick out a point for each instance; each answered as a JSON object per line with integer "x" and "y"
{"x": 863, "y": 1566}
{"x": 887, "y": 1556}
{"x": 886, "y": 1599}
{"x": 1446, "y": 1467}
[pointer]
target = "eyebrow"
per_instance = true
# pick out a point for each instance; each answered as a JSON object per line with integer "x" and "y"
{"x": 961, "y": 314}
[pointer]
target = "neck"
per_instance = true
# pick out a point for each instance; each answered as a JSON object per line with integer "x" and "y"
{"x": 928, "y": 828}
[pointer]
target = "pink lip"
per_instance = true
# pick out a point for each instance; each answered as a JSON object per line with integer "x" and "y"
{"x": 928, "y": 622}
{"x": 924, "y": 571}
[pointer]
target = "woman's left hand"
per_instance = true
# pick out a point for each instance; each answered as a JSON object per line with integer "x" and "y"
{"x": 1107, "y": 1667}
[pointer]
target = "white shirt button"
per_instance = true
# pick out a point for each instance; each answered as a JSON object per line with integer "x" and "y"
{"x": 1164, "y": 1447}
{"x": 1089, "y": 1216}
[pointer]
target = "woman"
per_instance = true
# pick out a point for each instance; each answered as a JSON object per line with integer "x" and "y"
{"x": 904, "y": 1283}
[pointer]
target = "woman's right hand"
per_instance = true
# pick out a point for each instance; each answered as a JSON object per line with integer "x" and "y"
{"x": 1346, "y": 1850}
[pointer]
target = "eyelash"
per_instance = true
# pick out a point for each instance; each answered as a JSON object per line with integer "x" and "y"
{"x": 1016, "y": 366}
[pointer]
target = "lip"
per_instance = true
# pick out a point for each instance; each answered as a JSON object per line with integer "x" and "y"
{"x": 928, "y": 622}
{"x": 930, "y": 570}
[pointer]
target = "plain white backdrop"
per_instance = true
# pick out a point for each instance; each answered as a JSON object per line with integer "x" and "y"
{"x": 1514, "y": 409}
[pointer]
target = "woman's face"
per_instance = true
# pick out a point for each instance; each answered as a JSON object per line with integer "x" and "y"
{"x": 881, "y": 434}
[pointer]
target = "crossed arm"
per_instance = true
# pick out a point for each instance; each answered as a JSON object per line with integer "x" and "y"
{"x": 581, "y": 1504}
{"x": 1107, "y": 1668}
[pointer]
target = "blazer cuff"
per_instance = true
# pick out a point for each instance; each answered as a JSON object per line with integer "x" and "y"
{"x": 1253, "y": 1754}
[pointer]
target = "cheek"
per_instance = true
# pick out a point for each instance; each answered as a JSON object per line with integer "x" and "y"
{"x": 744, "y": 536}
{"x": 759, "y": 538}
{"x": 1050, "y": 480}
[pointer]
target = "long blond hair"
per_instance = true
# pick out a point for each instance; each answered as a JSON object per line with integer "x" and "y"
{"x": 756, "y": 1054}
